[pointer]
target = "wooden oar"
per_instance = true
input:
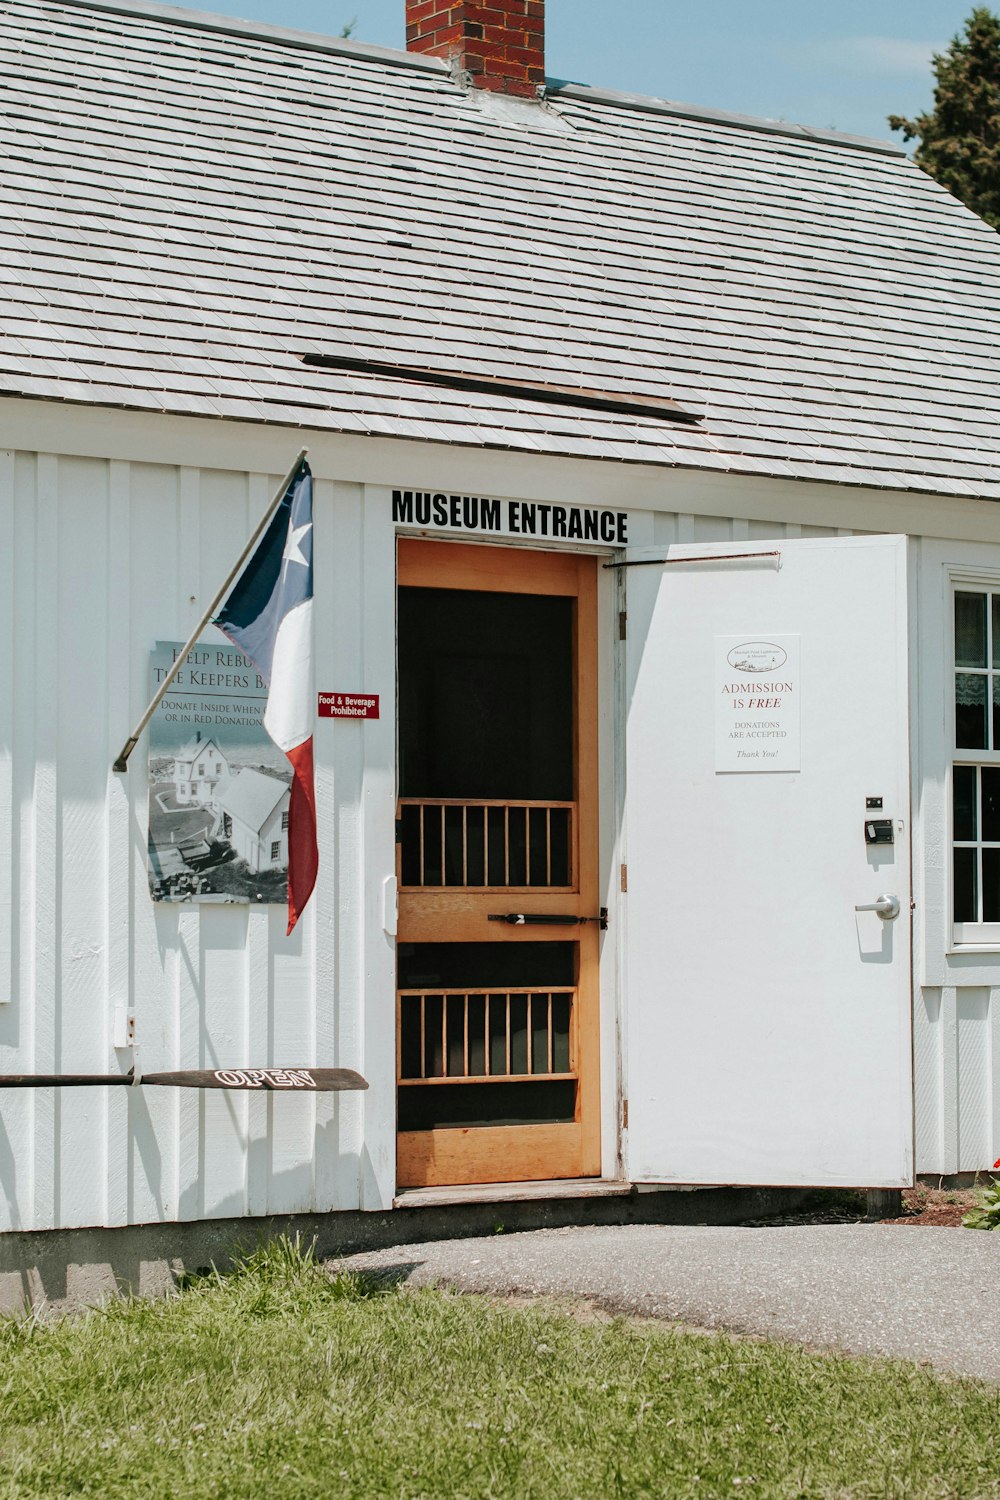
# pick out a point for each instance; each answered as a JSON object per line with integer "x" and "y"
{"x": 315, "y": 1080}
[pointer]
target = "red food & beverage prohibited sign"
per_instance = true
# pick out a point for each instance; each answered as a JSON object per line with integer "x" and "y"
{"x": 348, "y": 706}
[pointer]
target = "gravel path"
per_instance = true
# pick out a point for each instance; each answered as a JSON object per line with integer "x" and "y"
{"x": 927, "y": 1294}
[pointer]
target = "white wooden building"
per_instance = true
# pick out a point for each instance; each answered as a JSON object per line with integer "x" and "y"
{"x": 684, "y": 654}
{"x": 254, "y": 812}
{"x": 199, "y": 767}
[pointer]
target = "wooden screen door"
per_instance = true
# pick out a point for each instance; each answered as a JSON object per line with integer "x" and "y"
{"x": 499, "y": 926}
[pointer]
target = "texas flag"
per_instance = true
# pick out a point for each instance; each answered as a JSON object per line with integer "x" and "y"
{"x": 268, "y": 616}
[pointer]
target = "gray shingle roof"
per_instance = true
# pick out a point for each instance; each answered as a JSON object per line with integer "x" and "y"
{"x": 191, "y": 204}
{"x": 190, "y": 752}
{"x": 250, "y": 796}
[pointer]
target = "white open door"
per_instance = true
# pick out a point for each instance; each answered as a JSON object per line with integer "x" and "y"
{"x": 768, "y": 1017}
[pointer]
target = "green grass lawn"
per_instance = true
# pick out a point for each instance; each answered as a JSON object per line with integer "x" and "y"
{"x": 282, "y": 1381}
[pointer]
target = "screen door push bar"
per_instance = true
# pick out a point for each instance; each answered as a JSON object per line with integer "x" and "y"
{"x": 546, "y": 919}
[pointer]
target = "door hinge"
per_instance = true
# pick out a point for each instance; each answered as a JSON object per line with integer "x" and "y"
{"x": 624, "y": 877}
{"x": 622, "y": 624}
{"x": 624, "y": 1114}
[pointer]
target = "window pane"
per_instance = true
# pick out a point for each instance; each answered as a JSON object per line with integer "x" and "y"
{"x": 996, "y": 713}
{"x": 970, "y": 712}
{"x": 991, "y": 804}
{"x": 964, "y": 803}
{"x": 970, "y": 630}
{"x": 991, "y": 885}
{"x": 965, "y": 886}
{"x": 995, "y": 598}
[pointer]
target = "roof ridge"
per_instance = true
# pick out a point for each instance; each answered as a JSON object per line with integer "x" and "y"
{"x": 556, "y": 88}
{"x": 263, "y": 31}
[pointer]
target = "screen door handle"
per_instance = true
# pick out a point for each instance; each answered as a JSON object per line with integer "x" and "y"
{"x": 887, "y": 907}
{"x": 390, "y": 905}
{"x": 546, "y": 919}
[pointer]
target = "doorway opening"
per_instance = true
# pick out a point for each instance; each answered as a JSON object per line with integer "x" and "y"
{"x": 499, "y": 930}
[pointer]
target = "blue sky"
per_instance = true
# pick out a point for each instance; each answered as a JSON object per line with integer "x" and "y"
{"x": 844, "y": 65}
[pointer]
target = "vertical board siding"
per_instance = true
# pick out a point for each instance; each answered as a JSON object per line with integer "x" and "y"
{"x": 928, "y": 1080}
{"x": 154, "y": 1115}
{"x": 955, "y": 1078}
{"x": 12, "y": 1131}
{"x": 259, "y": 993}
{"x": 44, "y": 897}
{"x": 972, "y": 1039}
{"x": 111, "y": 557}
{"x": 340, "y": 968}
{"x": 14, "y": 1125}
{"x": 118, "y": 850}
{"x": 17, "y": 1120}
{"x": 7, "y": 669}
{"x": 80, "y": 680}
{"x": 377, "y": 846}
{"x": 670, "y": 527}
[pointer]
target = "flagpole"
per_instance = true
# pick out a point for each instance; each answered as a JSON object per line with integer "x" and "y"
{"x": 121, "y": 763}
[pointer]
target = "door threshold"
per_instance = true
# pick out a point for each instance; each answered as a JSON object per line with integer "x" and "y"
{"x": 512, "y": 1192}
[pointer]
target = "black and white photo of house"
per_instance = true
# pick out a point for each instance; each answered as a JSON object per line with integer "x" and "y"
{"x": 219, "y": 790}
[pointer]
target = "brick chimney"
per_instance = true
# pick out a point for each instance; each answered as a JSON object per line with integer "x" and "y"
{"x": 499, "y": 43}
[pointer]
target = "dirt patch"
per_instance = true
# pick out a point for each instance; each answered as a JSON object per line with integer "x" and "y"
{"x": 941, "y": 1208}
{"x": 936, "y": 1207}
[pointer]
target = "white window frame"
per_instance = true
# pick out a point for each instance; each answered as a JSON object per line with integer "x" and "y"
{"x": 967, "y": 935}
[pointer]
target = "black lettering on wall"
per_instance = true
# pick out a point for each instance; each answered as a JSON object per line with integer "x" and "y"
{"x": 524, "y": 517}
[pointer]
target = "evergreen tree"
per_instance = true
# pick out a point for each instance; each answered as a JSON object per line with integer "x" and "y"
{"x": 960, "y": 137}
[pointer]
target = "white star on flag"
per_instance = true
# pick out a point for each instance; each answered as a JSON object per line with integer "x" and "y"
{"x": 293, "y": 551}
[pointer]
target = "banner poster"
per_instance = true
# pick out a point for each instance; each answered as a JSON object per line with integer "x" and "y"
{"x": 219, "y": 790}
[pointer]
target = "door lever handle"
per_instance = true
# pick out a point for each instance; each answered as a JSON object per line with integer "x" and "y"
{"x": 887, "y": 907}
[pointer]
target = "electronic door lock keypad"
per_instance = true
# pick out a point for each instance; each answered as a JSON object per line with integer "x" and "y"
{"x": 877, "y": 830}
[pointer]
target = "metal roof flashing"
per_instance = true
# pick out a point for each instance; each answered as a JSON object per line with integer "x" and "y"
{"x": 555, "y": 88}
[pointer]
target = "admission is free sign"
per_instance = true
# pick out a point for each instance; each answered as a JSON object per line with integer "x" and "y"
{"x": 757, "y": 696}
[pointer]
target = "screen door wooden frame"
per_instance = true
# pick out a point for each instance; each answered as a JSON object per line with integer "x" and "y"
{"x": 427, "y": 914}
